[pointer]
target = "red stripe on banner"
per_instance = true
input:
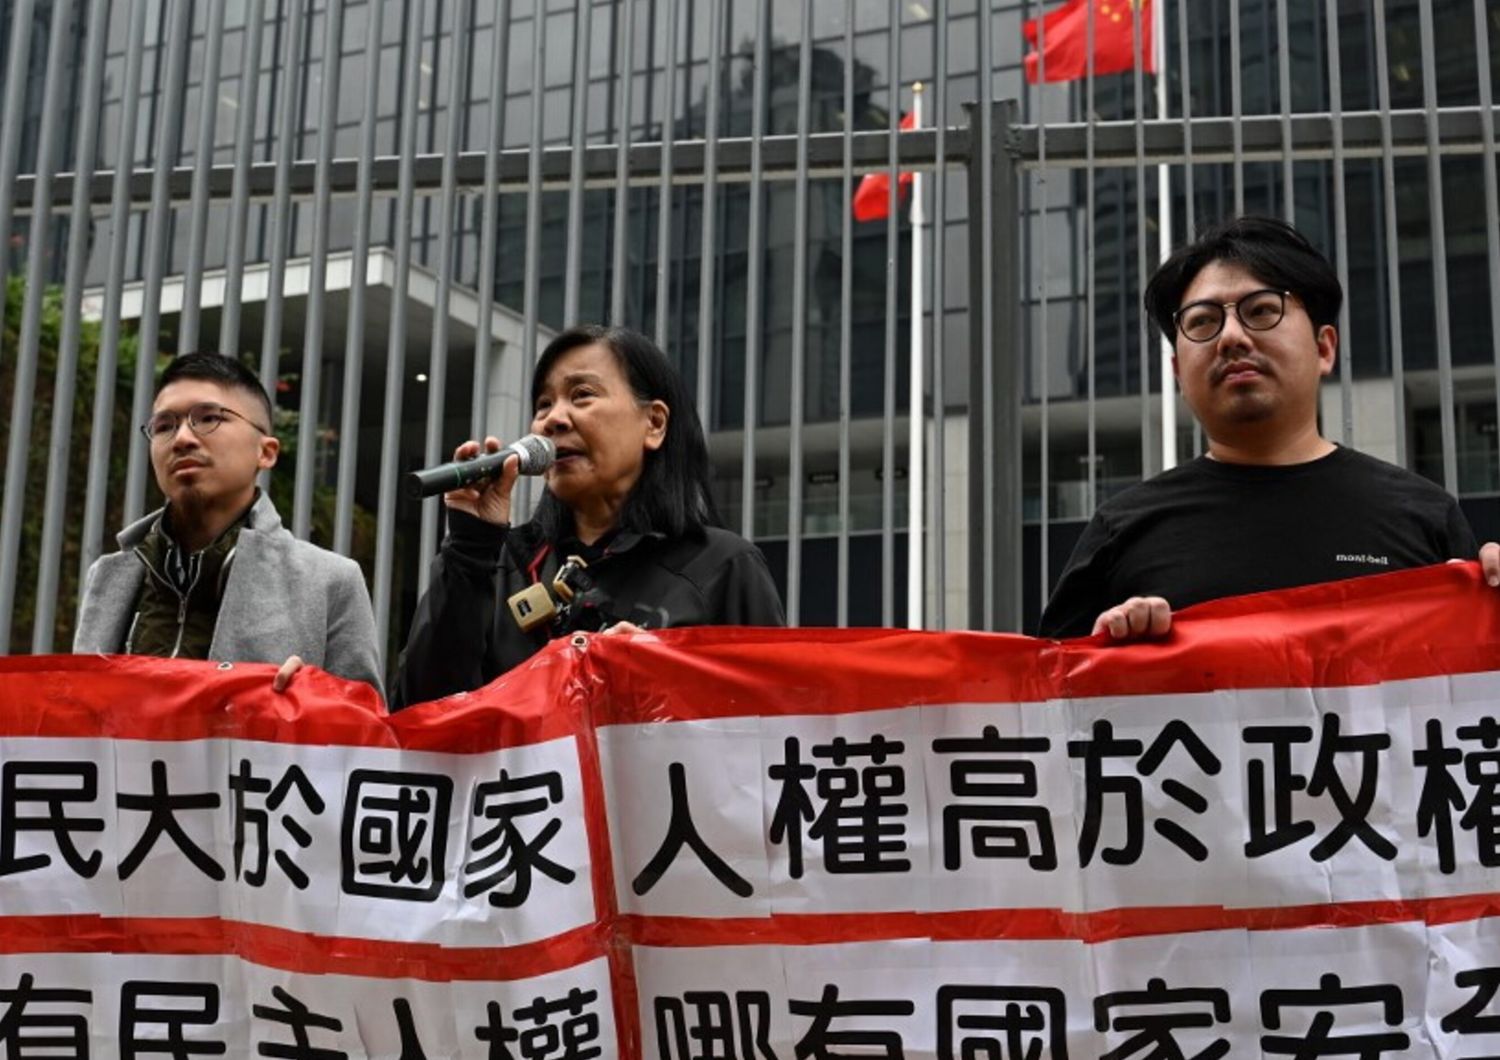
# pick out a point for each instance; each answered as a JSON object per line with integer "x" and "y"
{"x": 528, "y": 711}
{"x": 691, "y": 674}
{"x": 1409, "y": 624}
{"x": 1387, "y": 627}
{"x": 309, "y": 954}
{"x": 295, "y": 951}
{"x": 983, "y": 925}
{"x": 601, "y": 854}
{"x": 89, "y": 697}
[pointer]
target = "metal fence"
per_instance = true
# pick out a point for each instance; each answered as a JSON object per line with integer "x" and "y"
{"x": 1327, "y": 144}
{"x": 343, "y": 184}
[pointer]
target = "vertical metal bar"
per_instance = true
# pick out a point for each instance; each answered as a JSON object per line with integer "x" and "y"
{"x": 1190, "y": 228}
{"x": 208, "y": 109}
{"x": 10, "y": 136}
{"x": 1491, "y": 207}
{"x": 312, "y": 331}
{"x": 157, "y": 224}
{"x": 495, "y": 140}
{"x": 1392, "y": 245}
{"x": 1340, "y": 221}
{"x": 64, "y": 386}
{"x": 623, "y": 129}
{"x": 23, "y": 398}
{"x": 846, "y": 299}
{"x": 1029, "y": 113}
{"x": 978, "y": 537}
{"x": 939, "y": 316}
{"x": 888, "y": 371}
{"x": 1044, "y": 441}
{"x": 395, "y": 370}
{"x": 755, "y": 266}
{"x": 678, "y": 301}
{"x": 1284, "y": 81}
{"x": 981, "y": 318}
{"x": 994, "y": 299}
{"x": 642, "y": 269}
{"x": 1439, "y": 244}
{"x": 664, "y": 207}
{"x": 1236, "y": 107}
{"x": 977, "y": 395}
{"x": 437, "y": 366}
{"x": 799, "y": 328}
{"x": 96, "y": 492}
{"x": 708, "y": 253}
{"x": 281, "y": 209}
{"x": 916, "y": 403}
{"x": 1090, "y": 238}
{"x": 1164, "y": 234}
{"x": 1184, "y": 59}
{"x": 1143, "y": 334}
{"x": 1005, "y": 399}
{"x": 531, "y": 293}
{"x": 359, "y": 268}
{"x": 239, "y": 199}
{"x": 534, "y": 196}
{"x": 574, "y": 264}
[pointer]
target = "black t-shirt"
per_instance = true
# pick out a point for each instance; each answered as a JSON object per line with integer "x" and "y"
{"x": 1209, "y": 529}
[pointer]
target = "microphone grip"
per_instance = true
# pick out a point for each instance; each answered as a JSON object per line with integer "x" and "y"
{"x": 456, "y": 475}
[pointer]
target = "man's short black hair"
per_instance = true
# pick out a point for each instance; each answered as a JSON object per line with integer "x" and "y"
{"x": 1270, "y": 250}
{"x": 221, "y": 369}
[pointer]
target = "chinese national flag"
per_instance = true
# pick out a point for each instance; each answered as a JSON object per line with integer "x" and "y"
{"x": 1067, "y": 39}
{"x": 872, "y": 199}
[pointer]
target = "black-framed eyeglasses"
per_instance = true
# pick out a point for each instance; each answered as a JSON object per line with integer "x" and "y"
{"x": 204, "y": 418}
{"x": 1257, "y": 311}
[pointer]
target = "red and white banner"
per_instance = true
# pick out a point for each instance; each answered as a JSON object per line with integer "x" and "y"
{"x": 1277, "y": 833}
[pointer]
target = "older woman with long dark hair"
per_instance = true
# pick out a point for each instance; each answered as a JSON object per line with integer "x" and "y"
{"x": 628, "y": 496}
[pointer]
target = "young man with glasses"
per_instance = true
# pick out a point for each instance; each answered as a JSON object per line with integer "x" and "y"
{"x": 1252, "y": 307}
{"x": 213, "y": 574}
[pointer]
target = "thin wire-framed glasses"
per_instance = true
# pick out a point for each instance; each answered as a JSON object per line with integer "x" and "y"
{"x": 1257, "y": 311}
{"x": 204, "y": 418}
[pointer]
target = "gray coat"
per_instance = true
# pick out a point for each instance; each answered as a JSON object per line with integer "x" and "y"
{"x": 283, "y": 597}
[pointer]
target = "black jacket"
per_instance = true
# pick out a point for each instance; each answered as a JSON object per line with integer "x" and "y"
{"x": 464, "y": 635}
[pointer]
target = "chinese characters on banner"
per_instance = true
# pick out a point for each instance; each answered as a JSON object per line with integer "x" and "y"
{"x": 1278, "y": 834}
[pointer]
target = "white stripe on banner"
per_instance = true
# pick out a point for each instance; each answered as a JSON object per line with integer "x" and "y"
{"x": 473, "y": 850}
{"x": 1238, "y": 798}
{"x": 66, "y": 1006}
{"x": 1372, "y": 992}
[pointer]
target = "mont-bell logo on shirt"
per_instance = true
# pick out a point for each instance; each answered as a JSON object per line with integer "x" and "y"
{"x": 1363, "y": 558}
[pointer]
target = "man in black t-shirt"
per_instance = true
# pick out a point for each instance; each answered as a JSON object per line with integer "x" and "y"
{"x": 1272, "y": 504}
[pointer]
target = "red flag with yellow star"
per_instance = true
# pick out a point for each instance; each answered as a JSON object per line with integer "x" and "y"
{"x": 1066, "y": 39}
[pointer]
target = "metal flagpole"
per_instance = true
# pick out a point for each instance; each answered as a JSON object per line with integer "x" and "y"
{"x": 916, "y": 463}
{"x": 1164, "y": 231}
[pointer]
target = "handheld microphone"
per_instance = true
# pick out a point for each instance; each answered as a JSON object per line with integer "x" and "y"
{"x": 536, "y": 452}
